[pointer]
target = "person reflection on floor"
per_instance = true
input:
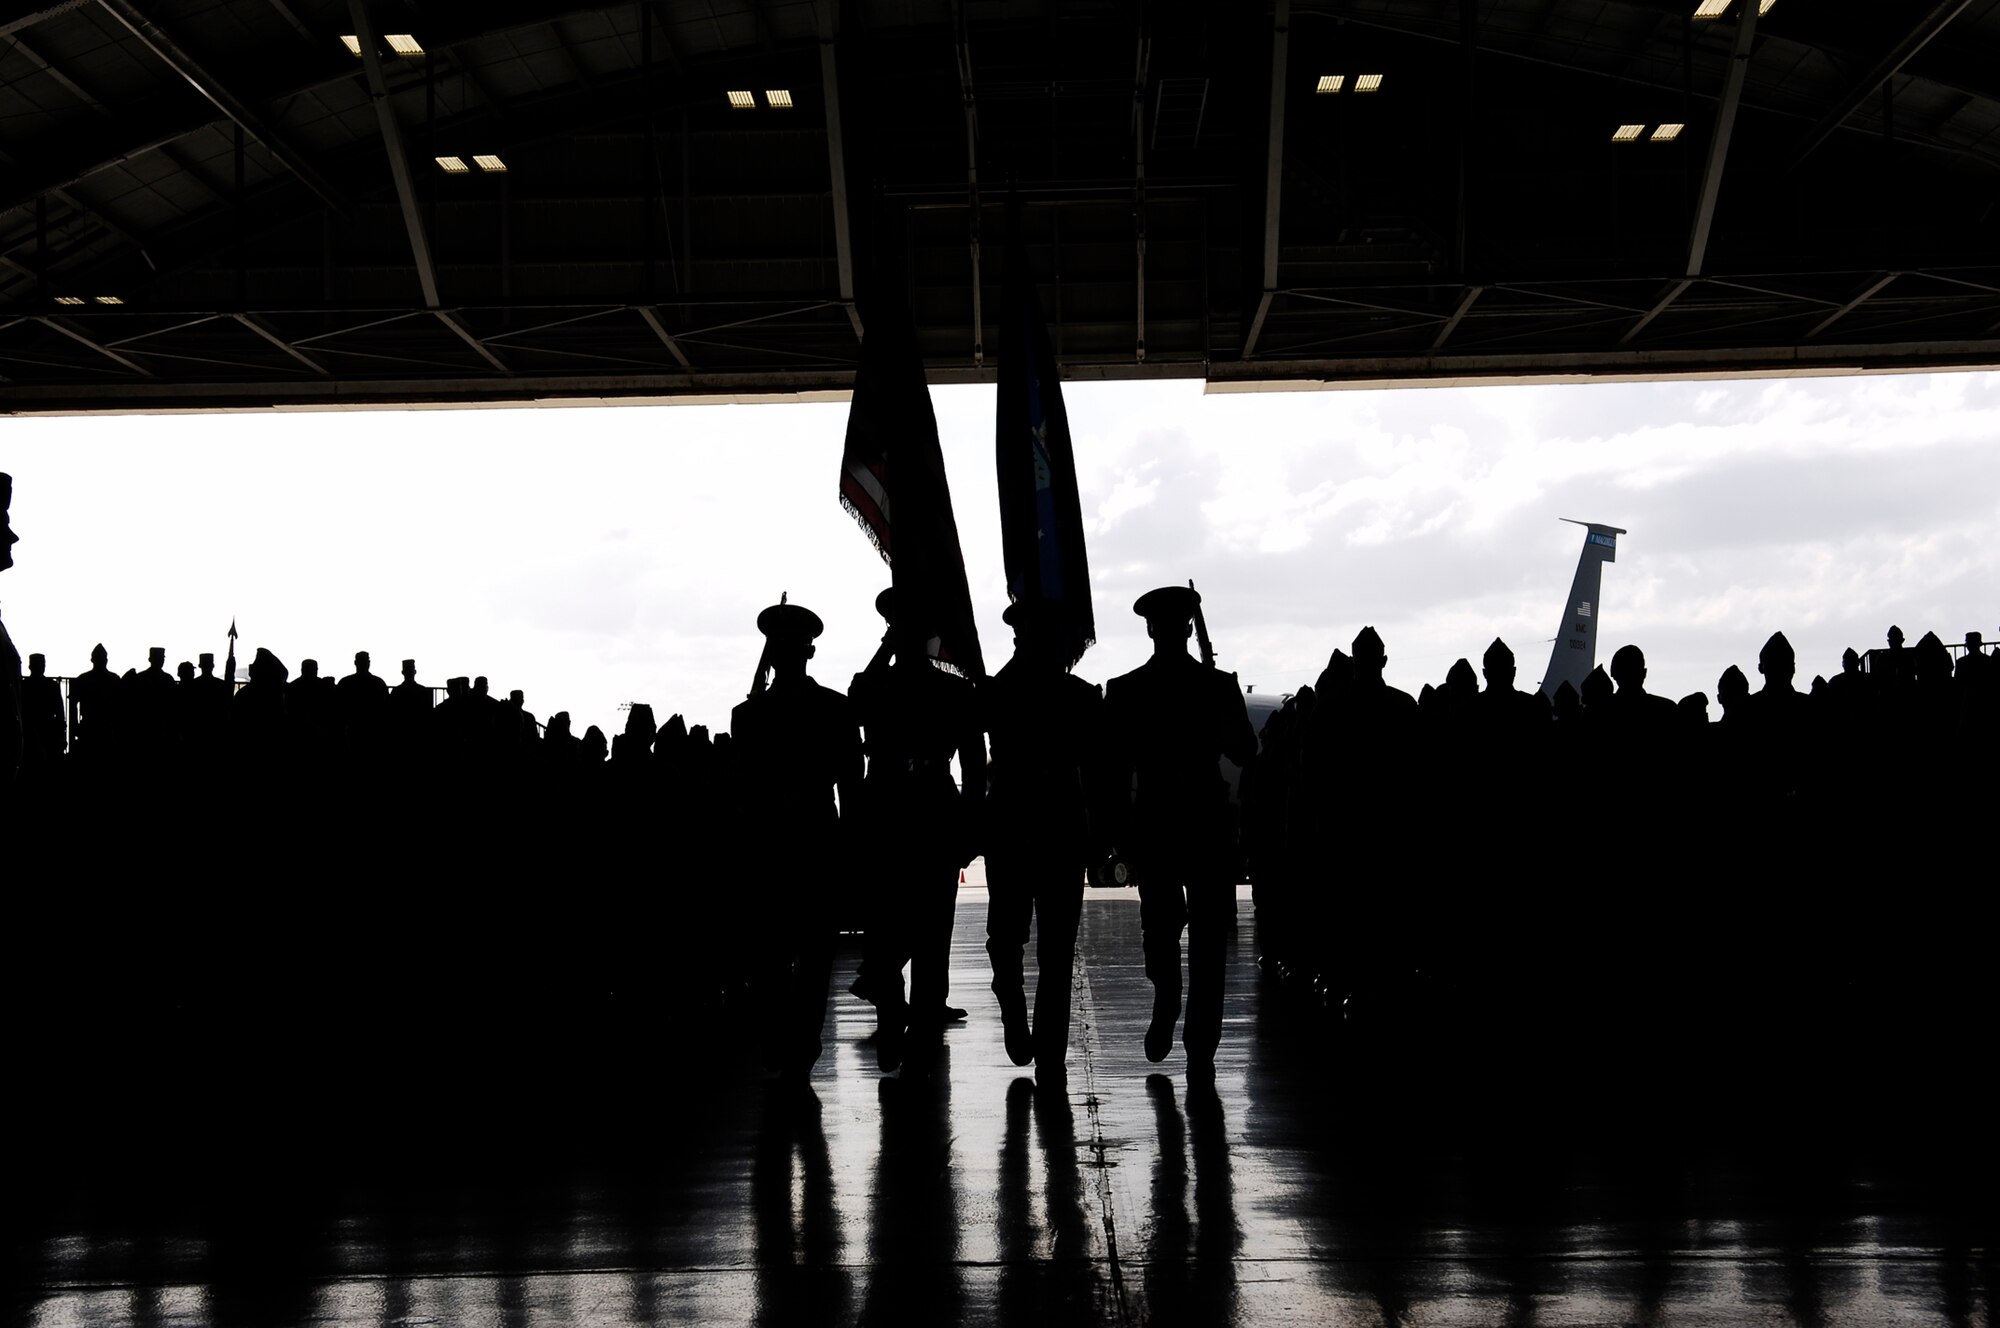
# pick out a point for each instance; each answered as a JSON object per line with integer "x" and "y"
{"x": 801, "y": 1275}
{"x": 1190, "y": 1274}
{"x": 916, "y": 1213}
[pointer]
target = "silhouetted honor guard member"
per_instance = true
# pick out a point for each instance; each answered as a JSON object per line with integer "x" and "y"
{"x": 1048, "y": 751}
{"x": 795, "y": 744}
{"x": 916, "y": 717}
{"x": 1171, "y": 720}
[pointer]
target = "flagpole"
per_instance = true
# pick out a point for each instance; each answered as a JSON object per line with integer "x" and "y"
{"x": 229, "y": 669}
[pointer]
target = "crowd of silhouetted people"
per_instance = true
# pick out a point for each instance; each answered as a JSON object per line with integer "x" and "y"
{"x": 1500, "y": 836}
{"x": 112, "y": 726}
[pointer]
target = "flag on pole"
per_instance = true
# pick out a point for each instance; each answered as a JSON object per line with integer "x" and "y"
{"x": 892, "y": 481}
{"x": 1041, "y": 517}
{"x": 229, "y": 669}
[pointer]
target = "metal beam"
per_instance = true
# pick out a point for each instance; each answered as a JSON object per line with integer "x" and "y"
{"x": 450, "y": 320}
{"x": 392, "y": 143}
{"x": 1465, "y": 303}
{"x": 1887, "y": 67}
{"x": 971, "y": 185}
{"x": 163, "y": 44}
{"x": 1674, "y": 292}
{"x": 22, "y": 22}
{"x": 1274, "y": 173}
{"x": 1873, "y": 289}
{"x": 264, "y": 330}
{"x": 652, "y": 317}
{"x": 106, "y": 351}
{"x": 1140, "y": 73}
{"x": 1718, "y": 143}
{"x": 836, "y": 162}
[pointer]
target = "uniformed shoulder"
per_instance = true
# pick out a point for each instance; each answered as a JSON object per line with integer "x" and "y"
{"x": 1082, "y": 690}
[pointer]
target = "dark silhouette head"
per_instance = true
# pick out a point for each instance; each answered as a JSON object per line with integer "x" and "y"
{"x": 36, "y": 664}
{"x": 267, "y": 667}
{"x": 1628, "y": 669}
{"x": 559, "y": 724}
{"x": 639, "y": 724}
{"x": 361, "y": 661}
{"x": 1566, "y": 703}
{"x": 1777, "y": 662}
{"x": 1459, "y": 680}
{"x": 517, "y": 699}
{"x": 456, "y": 687}
{"x": 308, "y": 669}
{"x": 409, "y": 670}
{"x": 184, "y": 671}
{"x": 1169, "y": 615}
{"x": 1895, "y": 637}
{"x": 1731, "y": 689}
{"x": 789, "y": 632}
{"x": 1933, "y": 658}
{"x": 1339, "y": 669}
{"x": 1370, "y": 655}
{"x": 910, "y": 629}
{"x": 1498, "y": 666}
{"x": 1041, "y": 634}
{"x": 206, "y": 660}
{"x": 1693, "y": 708}
{"x": 1974, "y": 643}
{"x": 99, "y": 656}
{"x": 1850, "y": 660}
{"x": 1597, "y": 688}
{"x": 156, "y": 657}
{"x": 596, "y": 750}
{"x": 1818, "y": 684}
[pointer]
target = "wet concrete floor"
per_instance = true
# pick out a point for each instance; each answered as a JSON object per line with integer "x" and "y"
{"x": 659, "y": 1176}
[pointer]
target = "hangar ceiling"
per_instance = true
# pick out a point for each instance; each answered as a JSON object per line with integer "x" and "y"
{"x": 221, "y": 203}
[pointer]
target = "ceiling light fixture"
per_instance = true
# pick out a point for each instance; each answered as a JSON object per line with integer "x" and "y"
{"x": 1331, "y": 82}
{"x": 1711, "y": 8}
{"x": 780, "y": 98}
{"x": 1627, "y": 133}
{"x": 352, "y": 43}
{"x": 71, "y": 299}
{"x": 454, "y": 165}
{"x": 1764, "y": 7}
{"x": 110, "y": 299}
{"x": 402, "y": 43}
{"x": 1667, "y": 133}
{"x": 743, "y": 101}
{"x": 486, "y": 161}
{"x": 1367, "y": 82}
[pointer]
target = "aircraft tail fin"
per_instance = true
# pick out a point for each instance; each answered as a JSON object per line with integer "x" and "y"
{"x": 1575, "y": 652}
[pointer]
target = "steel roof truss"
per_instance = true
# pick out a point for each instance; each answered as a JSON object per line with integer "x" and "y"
{"x": 83, "y": 339}
{"x": 167, "y": 47}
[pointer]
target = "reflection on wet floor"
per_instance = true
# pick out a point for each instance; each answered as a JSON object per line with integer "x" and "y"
{"x": 653, "y": 1174}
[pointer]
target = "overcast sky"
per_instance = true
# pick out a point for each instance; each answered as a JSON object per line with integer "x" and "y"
{"x": 603, "y": 554}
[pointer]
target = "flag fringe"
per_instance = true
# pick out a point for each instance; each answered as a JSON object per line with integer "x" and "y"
{"x": 874, "y": 539}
